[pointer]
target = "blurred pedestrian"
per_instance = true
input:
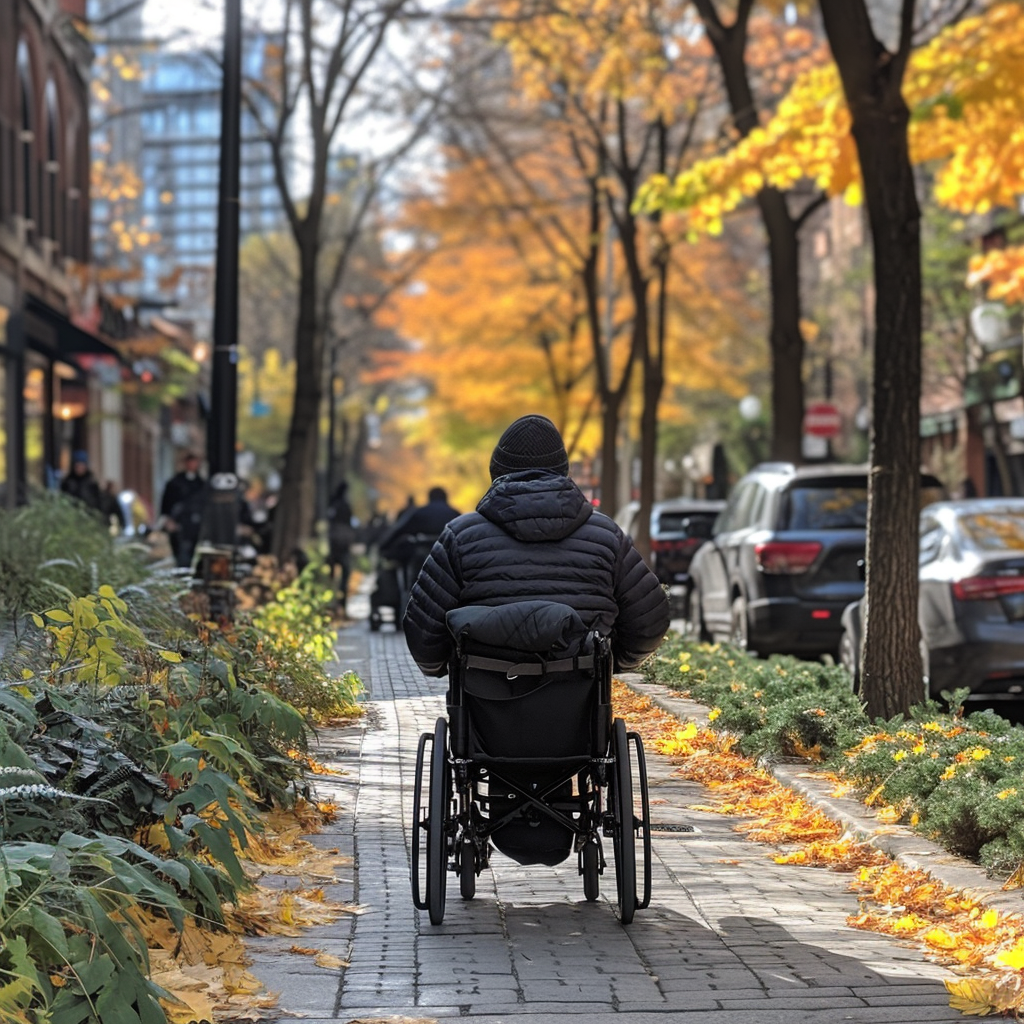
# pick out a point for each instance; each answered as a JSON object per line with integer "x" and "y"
{"x": 80, "y": 482}
{"x": 111, "y": 506}
{"x": 410, "y": 539}
{"x": 341, "y": 533}
{"x": 181, "y": 509}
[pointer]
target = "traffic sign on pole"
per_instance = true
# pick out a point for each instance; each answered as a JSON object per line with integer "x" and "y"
{"x": 822, "y": 419}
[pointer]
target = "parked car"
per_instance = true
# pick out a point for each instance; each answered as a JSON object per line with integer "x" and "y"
{"x": 786, "y": 558}
{"x": 679, "y": 526}
{"x": 971, "y": 604}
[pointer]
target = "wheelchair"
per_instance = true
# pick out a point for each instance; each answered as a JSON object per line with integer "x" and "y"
{"x": 529, "y": 760}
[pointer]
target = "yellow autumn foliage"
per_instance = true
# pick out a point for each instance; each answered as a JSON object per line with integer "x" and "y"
{"x": 964, "y": 89}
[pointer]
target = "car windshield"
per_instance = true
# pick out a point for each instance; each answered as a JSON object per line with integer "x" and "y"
{"x": 826, "y": 505}
{"x": 694, "y": 524}
{"x": 994, "y": 531}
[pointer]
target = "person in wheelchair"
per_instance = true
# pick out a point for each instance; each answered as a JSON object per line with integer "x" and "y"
{"x": 527, "y": 603}
{"x": 535, "y": 536}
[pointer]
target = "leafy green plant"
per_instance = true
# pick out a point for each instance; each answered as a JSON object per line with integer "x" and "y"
{"x": 290, "y": 640}
{"x": 782, "y": 706}
{"x": 55, "y": 547}
{"x": 953, "y": 776}
{"x": 137, "y": 746}
{"x": 72, "y": 950}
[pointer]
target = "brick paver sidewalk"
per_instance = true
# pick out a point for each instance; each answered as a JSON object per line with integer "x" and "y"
{"x": 729, "y": 936}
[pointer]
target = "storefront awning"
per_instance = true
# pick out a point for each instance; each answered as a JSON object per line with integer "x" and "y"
{"x": 59, "y": 335}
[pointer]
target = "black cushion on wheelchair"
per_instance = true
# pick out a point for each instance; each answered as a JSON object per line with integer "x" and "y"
{"x": 536, "y": 627}
{"x": 526, "y": 675}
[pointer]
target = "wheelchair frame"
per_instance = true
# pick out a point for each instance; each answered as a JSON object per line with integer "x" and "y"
{"x": 452, "y": 824}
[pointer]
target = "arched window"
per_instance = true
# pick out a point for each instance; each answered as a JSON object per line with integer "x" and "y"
{"x": 73, "y": 171}
{"x": 27, "y": 134}
{"x": 53, "y": 227}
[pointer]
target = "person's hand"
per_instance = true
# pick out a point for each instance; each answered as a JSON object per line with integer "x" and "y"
{"x": 170, "y": 526}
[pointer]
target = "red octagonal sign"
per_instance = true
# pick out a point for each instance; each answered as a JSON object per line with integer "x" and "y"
{"x": 822, "y": 419}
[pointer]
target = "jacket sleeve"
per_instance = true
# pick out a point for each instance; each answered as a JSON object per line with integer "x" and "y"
{"x": 643, "y": 617}
{"x": 434, "y": 594}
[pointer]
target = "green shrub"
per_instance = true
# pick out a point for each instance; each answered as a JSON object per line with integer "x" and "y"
{"x": 289, "y": 642}
{"x": 953, "y": 777}
{"x": 70, "y": 950}
{"x": 782, "y": 706}
{"x": 137, "y": 746}
{"x": 56, "y": 547}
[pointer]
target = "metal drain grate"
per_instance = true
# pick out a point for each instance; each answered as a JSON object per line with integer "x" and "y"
{"x": 657, "y": 827}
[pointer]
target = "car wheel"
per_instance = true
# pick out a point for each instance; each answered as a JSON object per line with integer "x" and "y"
{"x": 698, "y": 631}
{"x": 739, "y": 632}
{"x": 848, "y": 658}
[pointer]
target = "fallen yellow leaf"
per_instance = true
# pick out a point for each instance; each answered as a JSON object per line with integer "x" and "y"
{"x": 330, "y": 961}
{"x": 972, "y": 996}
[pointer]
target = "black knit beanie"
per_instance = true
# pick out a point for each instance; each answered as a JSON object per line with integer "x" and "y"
{"x": 532, "y": 442}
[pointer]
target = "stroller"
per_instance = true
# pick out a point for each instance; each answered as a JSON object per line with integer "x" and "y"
{"x": 529, "y": 760}
{"x": 395, "y": 577}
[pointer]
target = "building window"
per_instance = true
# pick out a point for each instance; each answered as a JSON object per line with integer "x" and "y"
{"x": 27, "y": 135}
{"x": 53, "y": 228}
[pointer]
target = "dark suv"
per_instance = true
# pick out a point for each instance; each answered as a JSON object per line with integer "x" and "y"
{"x": 786, "y": 558}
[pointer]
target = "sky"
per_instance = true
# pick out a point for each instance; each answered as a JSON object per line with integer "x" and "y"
{"x": 199, "y": 18}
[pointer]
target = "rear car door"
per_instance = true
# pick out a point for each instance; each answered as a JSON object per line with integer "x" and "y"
{"x": 718, "y": 565}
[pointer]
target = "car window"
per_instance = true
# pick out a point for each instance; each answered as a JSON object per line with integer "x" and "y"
{"x": 728, "y": 518}
{"x": 994, "y": 531}
{"x": 931, "y": 540}
{"x": 692, "y": 524}
{"x": 825, "y": 505}
{"x": 745, "y": 495}
{"x": 757, "y": 506}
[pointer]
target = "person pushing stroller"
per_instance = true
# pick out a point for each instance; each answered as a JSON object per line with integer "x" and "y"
{"x": 535, "y": 536}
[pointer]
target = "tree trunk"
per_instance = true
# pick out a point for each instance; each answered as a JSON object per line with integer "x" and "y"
{"x": 611, "y": 404}
{"x": 786, "y": 343}
{"x": 651, "y": 382}
{"x": 296, "y": 508}
{"x": 785, "y": 338}
{"x": 891, "y": 663}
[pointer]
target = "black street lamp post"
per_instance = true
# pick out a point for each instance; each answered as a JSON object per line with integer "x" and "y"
{"x": 221, "y": 519}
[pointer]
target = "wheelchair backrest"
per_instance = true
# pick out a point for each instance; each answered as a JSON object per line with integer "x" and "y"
{"x": 528, "y": 682}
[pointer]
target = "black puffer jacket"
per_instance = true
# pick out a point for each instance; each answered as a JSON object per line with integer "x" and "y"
{"x": 535, "y": 536}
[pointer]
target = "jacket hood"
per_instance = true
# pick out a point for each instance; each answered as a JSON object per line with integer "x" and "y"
{"x": 535, "y": 505}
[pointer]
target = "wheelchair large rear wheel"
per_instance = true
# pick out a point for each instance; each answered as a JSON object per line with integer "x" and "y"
{"x": 419, "y": 825}
{"x": 437, "y": 823}
{"x": 643, "y": 823}
{"x": 624, "y": 836}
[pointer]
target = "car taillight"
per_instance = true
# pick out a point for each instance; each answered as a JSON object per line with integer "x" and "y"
{"x": 786, "y": 557}
{"x": 685, "y": 547}
{"x": 987, "y": 588}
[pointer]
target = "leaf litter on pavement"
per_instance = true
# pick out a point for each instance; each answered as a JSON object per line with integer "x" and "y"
{"x": 985, "y": 947}
{"x": 204, "y": 971}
